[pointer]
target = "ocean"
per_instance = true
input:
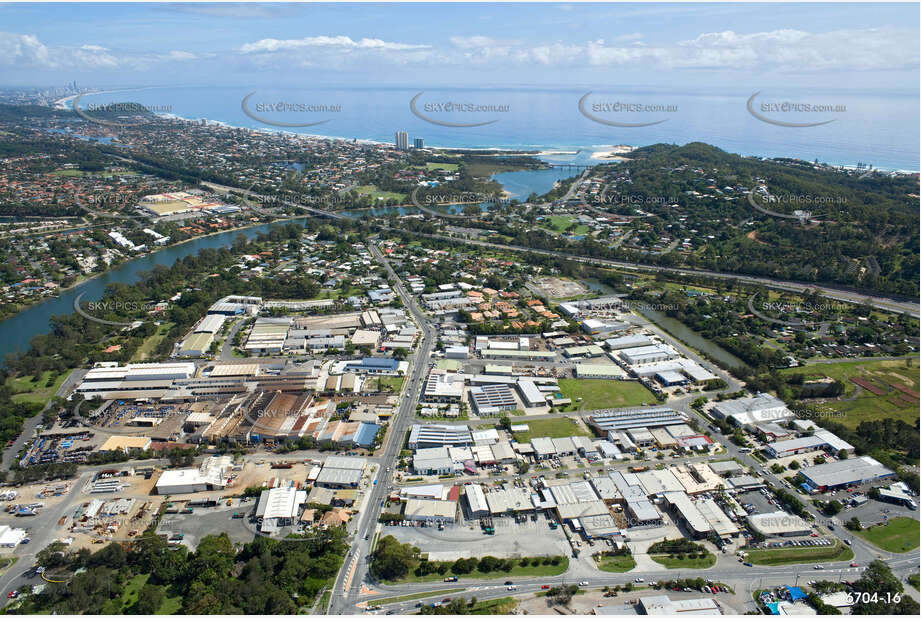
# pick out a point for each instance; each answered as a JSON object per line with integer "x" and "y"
{"x": 878, "y": 129}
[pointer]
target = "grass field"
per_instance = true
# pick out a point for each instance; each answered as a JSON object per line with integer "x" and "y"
{"x": 615, "y": 564}
{"x": 540, "y": 570}
{"x": 898, "y": 535}
{"x": 413, "y": 597}
{"x": 35, "y": 392}
{"x": 150, "y": 344}
{"x": 597, "y": 394}
{"x": 68, "y": 173}
{"x": 867, "y": 406}
{"x": 394, "y": 382}
{"x": 379, "y": 195}
{"x": 448, "y": 167}
{"x": 672, "y": 562}
{"x": 561, "y": 223}
{"x": 494, "y": 607}
{"x": 550, "y": 427}
{"x": 800, "y": 555}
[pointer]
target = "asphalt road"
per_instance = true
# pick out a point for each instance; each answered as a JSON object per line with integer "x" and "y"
{"x": 354, "y": 571}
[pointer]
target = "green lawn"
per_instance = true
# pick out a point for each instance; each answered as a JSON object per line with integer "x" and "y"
{"x": 150, "y": 344}
{"x": 867, "y": 406}
{"x": 376, "y": 193}
{"x": 412, "y": 597}
{"x": 561, "y": 223}
{"x": 598, "y": 394}
{"x": 35, "y": 392}
{"x": 670, "y": 561}
{"x": 615, "y": 564}
{"x": 549, "y": 427}
{"x": 799, "y": 555}
{"x": 540, "y": 570}
{"x": 898, "y": 535}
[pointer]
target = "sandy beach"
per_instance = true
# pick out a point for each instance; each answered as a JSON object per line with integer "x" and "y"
{"x": 615, "y": 154}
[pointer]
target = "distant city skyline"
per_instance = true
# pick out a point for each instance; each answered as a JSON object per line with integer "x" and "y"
{"x": 673, "y": 46}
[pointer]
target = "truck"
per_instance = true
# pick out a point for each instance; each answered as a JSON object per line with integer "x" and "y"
{"x": 453, "y": 578}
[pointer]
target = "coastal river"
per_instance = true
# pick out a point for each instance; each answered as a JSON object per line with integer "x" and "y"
{"x": 18, "y": 330}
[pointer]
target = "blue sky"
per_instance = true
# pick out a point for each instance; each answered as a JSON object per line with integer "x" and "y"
{"x": 672, "y": 46}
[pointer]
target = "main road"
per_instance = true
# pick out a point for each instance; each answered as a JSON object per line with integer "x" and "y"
{"x": 354, "y": 572}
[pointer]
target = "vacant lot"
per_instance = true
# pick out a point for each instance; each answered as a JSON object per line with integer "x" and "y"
{"x": 598, "y": 394}
{"x": 615, "y": 564}
{"x": 551, "y": 428}
{"x": 36, "y": 391}
{"x": 800, "y": 555}
{"x": 893, "y": 403}
{"x": 671, "y": 561}
{"x": 540, "y": 570}
{"x": 899, "y": 535}
{"x": 564, "y": 223}
{"x": 378, "y": 195}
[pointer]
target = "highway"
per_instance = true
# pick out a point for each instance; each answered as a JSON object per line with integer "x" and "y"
{"x": 848, "y": 296}
{"x": 354, "y": 571}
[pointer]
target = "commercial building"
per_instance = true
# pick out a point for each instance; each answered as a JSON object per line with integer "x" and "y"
{"x": 820, "y": 440}
{"x": 476, "y": 501}
{"x": 779, "y": 523}
{"x": 341, "y": 472}
{"x": 440, "y": 511}
{"x": 600, "y": 372}
{"x": 443, "y": 387}
{"x": 620, "y": 420}
{"x": 844, "y": 473}
{"x": 125, "y": 443}
{"x": 750, "y": 411}
{"x": 527, "y": 355}
{"x": 377, "y": 365}
{"x": 211, "y": 474}
{"x": 197, "y": 344}
{"x": 458, "y": 352}
{"x": 898, "y": 493}
{"x": 662, "y": 605}
{"x": 422, "y": 436}
{"x": 600, "y": 328}
{"x": 436, "y": 460}
{"x": 279, "y": 506}
{"x": 492, "y": 399}
{"x": 648, "y": 354}
{"x": 628, "y": 341}
{"x": 530, "y": 393}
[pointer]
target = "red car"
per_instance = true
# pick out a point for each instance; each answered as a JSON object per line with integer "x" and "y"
{"x": 446, "y": 600}
{"x": 853, "y": 564}
{"x": 545, "y": 587}
{"x": 13, "y": 594}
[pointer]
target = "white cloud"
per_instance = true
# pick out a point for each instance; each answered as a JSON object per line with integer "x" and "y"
{"x": 325, "y": 42}
{"x": 25, "y": 51}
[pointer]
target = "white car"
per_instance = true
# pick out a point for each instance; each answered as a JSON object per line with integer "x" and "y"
{"x": 583, "y": 583}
